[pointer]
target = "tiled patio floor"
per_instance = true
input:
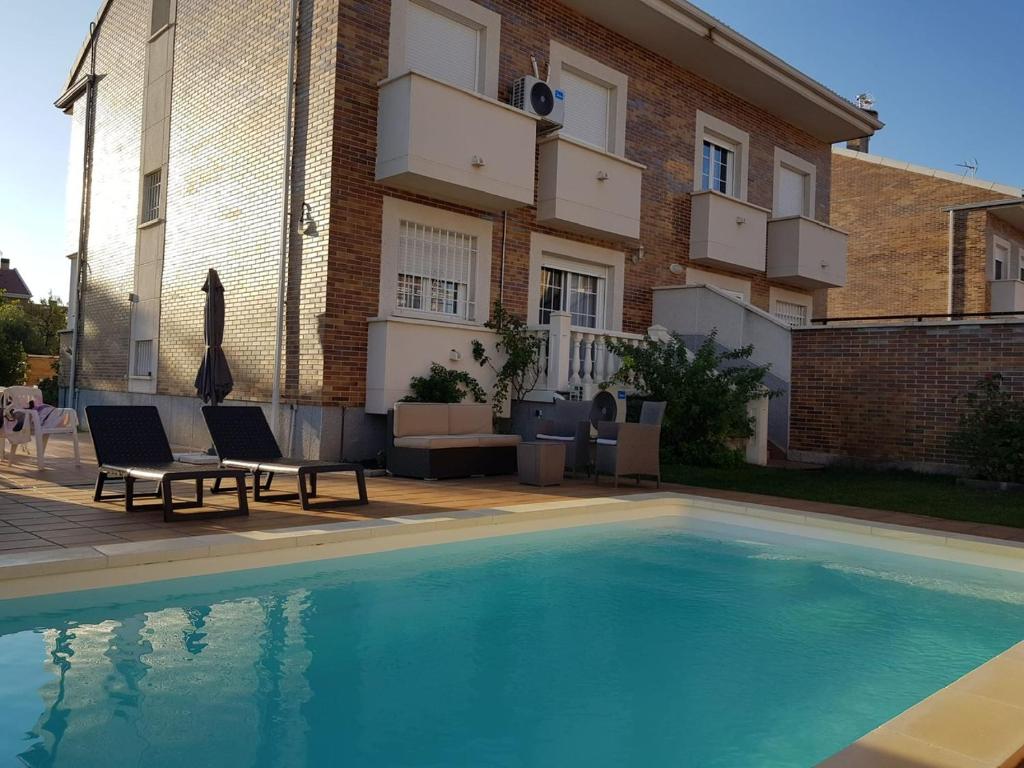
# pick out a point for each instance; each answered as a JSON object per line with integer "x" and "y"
{"x": 54, "y": 507}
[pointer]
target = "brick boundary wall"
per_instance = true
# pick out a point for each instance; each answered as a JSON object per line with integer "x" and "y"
{"x": 893, "y": 394}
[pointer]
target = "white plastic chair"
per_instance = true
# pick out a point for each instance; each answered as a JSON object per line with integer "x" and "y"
{"x": 19, "y": 402}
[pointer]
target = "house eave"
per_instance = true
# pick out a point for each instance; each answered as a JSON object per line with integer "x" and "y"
{"x": 701, "y": 44}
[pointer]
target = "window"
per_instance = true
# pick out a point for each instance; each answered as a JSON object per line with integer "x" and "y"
{"x": 161, "y": 16}
{"x": 788, "y": 312}
{"x": 455, "y": 41}
{"x": 151, "y": 196}
{"x": 579, "y": 294}
{"x": 586, "y": 109}
{"x": 721, "y": 157}
{"x": 595, "y": 99}
{"x": 435, "y": 270}
{"x": 717, "y": 168}
{"x": 143, "y": 365}
{"x": 794, "y": 185}
{"x": 1000, "y": 259}
{"x": 439, "y": 46}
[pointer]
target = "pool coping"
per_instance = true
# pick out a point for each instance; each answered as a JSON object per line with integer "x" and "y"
{"x": 973, "y": 722}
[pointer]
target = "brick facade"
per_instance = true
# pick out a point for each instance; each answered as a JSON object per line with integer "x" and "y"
{"x": 893, "y": 394}
{"x": 899, "y": 248}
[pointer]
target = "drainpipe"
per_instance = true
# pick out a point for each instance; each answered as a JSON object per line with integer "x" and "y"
{"x": 949, "y": 301}
{"x": 84, "y": 210}
{"x": 501, "y": 276}
{"x": 286, "y": 143}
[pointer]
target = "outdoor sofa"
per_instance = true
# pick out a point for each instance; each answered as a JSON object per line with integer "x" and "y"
{"x": 442, "y": 440}
{"x": 130, "y": 442}
{"x": 243, "y": 440}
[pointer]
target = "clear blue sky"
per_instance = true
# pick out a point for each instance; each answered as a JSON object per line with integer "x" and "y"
{"x": 945, "y": 73}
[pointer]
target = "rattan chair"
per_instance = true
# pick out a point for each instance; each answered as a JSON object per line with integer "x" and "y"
{"x": 130, "y": 442}
{"x": 631, "y": 448}
{"x": 243, "y": 440}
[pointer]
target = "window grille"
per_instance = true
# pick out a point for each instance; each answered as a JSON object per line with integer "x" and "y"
{"x": 790, "y": 312}
{"x": 436, "y": 270}
{"x": 151, "y": 196}
{"x": 143, "y": 364}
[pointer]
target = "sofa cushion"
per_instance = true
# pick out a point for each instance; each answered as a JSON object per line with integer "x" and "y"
{"x": 437, "y": 442}
{"x": 498, "y": 441}
{"x": 421, "y": 419}
{"x": 470, "y": 419}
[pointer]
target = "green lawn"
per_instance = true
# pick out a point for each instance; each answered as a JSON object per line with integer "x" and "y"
{"x": 938, "y": 496}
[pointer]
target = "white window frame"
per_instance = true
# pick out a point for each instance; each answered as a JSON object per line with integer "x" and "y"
{"x": 147, "y": 205}
{"x": 396, "y": 211}
{"x": 776, "y": 295}
{"x": 807, "y": 169}
{"x": 997, "y": 243}
{"x": 487, "y": 22}
{"x": 570, "y": 268}
{"x": 730, "y": 137}
{"x": 569, "y": 255}
{"x": 737, "y": 286}
{"x": 562, "y": 58}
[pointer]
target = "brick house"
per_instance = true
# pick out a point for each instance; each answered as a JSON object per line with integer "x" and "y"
{"x": 923, "y": 240}
{"x": 381, "y": 205}
{"x": 12, "y": 283}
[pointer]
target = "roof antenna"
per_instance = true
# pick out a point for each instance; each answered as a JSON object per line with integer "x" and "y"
{"x": 970, "y": 168}
{"x": 865, "y": 101}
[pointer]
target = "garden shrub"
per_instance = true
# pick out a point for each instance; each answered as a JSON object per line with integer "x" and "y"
{"x": 706, "y": 392}
{"x": 990, "y": 435}
{"x": 520, "y": 351}
{"x": 444, "y": 385}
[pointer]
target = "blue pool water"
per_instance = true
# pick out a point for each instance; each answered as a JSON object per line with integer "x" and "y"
{"x": 640, "y": 645}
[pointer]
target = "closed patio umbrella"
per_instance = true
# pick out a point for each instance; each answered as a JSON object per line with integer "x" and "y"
{"x": 214, "y": 382}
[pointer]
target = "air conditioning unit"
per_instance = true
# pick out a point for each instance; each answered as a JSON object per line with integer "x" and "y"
{"x": 535, "y": 97}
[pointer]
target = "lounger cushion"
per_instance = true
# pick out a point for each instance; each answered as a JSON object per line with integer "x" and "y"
{"x": 470, "y": 419}
{"x": 415, "y": 419}
{"x": 498, "y": 441}
{"x": 437, "y": 442}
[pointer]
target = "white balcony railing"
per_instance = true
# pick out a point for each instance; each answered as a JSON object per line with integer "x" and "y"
{"x": 575, "y": 360}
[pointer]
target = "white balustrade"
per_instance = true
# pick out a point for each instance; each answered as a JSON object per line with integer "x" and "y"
{"x": 576, "y": 359}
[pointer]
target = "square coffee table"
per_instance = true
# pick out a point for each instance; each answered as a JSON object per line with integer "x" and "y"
{"x": 541, "y": 463}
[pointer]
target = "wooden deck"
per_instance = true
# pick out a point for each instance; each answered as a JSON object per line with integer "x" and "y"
{"x": 54, "y": 507}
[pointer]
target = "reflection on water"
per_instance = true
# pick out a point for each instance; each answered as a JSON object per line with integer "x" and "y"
{"x": 134, "y": 691}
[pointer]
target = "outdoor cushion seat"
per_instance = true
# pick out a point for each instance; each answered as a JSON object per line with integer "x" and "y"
{"x": 562, "y": 438}
{"x": 606, "y": 441}
{"x": 498, "y": 440}
{"x": 437, "y": 442}
{"x": 631, "y": 448}
{"x": 243, "y": 440}
{"x": 130, "y": 441}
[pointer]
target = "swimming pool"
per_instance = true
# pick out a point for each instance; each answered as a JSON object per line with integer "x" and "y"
{"x": 666, "y": 642}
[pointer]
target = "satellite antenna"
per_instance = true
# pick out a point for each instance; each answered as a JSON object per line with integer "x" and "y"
{"x": 865, "y": 101}
{"x": 970, "y": 167}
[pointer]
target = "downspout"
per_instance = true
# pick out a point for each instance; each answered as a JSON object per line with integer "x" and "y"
{"x": 949, "y": 298}
{"x": 501, "y": 274}
{"x": 286, "y": 167}
{"x": 84, "y": 211}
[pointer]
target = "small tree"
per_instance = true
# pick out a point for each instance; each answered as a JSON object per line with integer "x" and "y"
{"x": 706, "y": 393}
{"x": 990, "y": 435}
{"x": 15, "y": 329}
{"x": 444, "y": 385}
{"x": 519, "y": 349}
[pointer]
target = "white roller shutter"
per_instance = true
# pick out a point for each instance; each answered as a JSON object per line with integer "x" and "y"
{"x": 792, "y": 193}
{"x": 586, "y": 109}
{"x": 442, "y": 47}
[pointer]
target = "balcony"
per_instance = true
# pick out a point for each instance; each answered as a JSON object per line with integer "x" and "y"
{"x": 452, "y": 144}
{"x": 805, "y": 253}
{"x": 727, "y": 232}
{"x": 583, "y": 189}
{"x": 1006, "y": 295}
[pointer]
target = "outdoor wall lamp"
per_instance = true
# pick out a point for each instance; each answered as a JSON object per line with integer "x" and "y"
{"x": 306, "y": 223}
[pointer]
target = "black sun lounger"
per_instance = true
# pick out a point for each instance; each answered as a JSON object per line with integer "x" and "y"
{"x": 130, "y": 441}
{"x": 243, "y": 440}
